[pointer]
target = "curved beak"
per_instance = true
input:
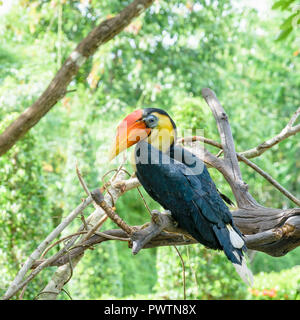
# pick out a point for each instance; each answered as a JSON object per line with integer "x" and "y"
{"x": 131, "y": 130}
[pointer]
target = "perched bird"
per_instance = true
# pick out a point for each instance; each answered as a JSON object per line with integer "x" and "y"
{"x": 180, "y": 182}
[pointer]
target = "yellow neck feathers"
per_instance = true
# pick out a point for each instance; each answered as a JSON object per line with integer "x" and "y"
{"x": 163, "y": 135}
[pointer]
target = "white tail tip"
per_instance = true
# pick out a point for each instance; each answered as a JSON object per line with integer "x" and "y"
{"x": 235, "y": 238}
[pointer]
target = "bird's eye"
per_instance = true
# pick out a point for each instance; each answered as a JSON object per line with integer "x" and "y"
{"x": 151, "y": 121}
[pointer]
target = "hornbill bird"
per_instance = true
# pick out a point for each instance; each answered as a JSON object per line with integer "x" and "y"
{"x": 180, "y": 182}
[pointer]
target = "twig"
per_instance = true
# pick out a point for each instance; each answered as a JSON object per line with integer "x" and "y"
{"x": 70, "y": 91}
{"x": 71, "y": 268}
{"x": 102, "y": 220}
{"x": 82, "y": 182}
{"x": 23, "y": 292}
{"x": 137, "y": 184}
{"x": 105, "y": 185}
{"x": 85, "y": 226}
{"x": 200, "y": 138}
{"x": 99, "y": 199}
{"x": 144, "y": 201}
{"x": 95, "y": 227}
{"x": 59, "y": 241}
{"x": 67, "y": 293}
{"x": 110, "y": 237}
{"x": 276, "y": 184}
{"x": 183, "y": 272}
{"x": 287, "y": 131}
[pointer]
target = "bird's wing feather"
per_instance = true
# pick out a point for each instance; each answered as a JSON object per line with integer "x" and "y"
{"x": 192, "y": 200}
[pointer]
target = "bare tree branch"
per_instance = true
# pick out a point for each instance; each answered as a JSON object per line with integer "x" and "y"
{"x": 229, "y": 165}
{"x": 99, "y": 199}
{"x": 277, "y": 232}
{"x": 56, "y": 90}
{"x": 276, "y": 184}
{"x": 287, "y": 131}
{"x": 273, "y": 231}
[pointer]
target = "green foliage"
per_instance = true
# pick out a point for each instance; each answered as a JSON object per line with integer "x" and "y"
{"x": 292, "y": 22}
{"x": 284, "y": 285}
{"x": 163, "y": 59}
{"x": 22, "y": 204}
{"x": 263, "y": 262}
{"x": 208, "y": 275}
{"x": 194, "y": 118}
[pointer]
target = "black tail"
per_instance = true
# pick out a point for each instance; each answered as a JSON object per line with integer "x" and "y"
{"x": 234, "y": 247}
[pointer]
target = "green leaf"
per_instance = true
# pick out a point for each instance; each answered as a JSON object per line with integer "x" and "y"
{"x": 288, "y": 22}
{"x": 284, "y": 34}
{"x": 282, "y": 3}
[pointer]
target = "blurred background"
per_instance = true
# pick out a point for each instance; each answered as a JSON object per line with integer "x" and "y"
{"x": 246, "y": 51}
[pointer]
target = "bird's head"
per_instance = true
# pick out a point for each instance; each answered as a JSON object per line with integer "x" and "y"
{"x": 151, "y": 124}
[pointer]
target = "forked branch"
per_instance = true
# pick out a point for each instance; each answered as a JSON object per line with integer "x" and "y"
{"x": 229, "y": 165}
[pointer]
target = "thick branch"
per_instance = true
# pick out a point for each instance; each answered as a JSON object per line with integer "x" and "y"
{"x": 58, "y": 86}
{"x": 276, "y": 233}
{"x": 225, "y": 132}
{"x": 273, "y": 231}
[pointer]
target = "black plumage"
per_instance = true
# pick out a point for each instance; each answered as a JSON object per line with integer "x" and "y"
{"x": 186, "y": 189}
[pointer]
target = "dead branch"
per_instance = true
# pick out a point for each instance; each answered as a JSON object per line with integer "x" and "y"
{"x": 228, "y": 166}
{"x": 287, "y": 131}
{"x": 251, "y": 217}
{"x": 99, "y": 200}
{"x": 278, "y": 232}
{"x": 275, "y": 183}
{"x": 143, "y": 237}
